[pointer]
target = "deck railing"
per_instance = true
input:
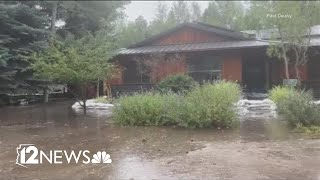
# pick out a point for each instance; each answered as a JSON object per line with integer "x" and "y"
{"x": 125, "y": 89}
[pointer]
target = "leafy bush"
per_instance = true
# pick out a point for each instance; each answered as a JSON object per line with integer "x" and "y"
{"x": 279, "y": 93}
{"x": 296, "y": 107}
{"x": 177, "y": 83}
{"x": 211, "y": 105}
{"x": 140, "y": 110}
{"x": 312, "y": 131}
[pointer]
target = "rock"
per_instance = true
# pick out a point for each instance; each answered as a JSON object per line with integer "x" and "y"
{"x": 171, "y": 161}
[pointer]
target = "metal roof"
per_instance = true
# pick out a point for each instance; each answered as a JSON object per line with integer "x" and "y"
{"x": 242, "y": 40}
{"x": 193, "y": 47}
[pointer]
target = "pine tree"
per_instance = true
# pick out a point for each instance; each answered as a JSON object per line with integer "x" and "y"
{"x": 22, "y": 32}
{"x": 196, "y": 11}
{"x": 229, "y": 14}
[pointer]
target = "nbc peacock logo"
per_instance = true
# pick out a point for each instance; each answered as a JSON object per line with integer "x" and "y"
{"x": 101, "y": 158}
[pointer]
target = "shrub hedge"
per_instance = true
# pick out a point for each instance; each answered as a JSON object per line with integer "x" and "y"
{"x": 296, "y": 107}
{"x": 176, "y": 83}
{"x": 210, "y": 105}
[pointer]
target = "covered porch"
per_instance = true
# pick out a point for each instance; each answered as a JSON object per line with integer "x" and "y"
{"x": 202, "y": 66}
{"x": 248, "y": 66}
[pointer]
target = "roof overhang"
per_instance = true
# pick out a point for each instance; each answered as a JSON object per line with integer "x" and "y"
{"x": 193, "y": 47}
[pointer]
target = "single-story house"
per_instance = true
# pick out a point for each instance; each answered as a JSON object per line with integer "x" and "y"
{"x": 208, "y": 53}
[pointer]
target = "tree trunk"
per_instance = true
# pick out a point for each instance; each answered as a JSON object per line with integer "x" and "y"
{"x": 84, "y": 106}
{"x": 296, "y": 67}
{"x": 45, "y": 95}
{"x": 52, "y": 28}
{"x": 84, "y": 97}
{"x": 103, "y": 89}
{"x": 98, "y": 88}
{"x": 54, "y": 16}
{"x": 286, "y": 64}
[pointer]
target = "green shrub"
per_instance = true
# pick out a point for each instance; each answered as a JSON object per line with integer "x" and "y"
{"x": 312, "y": 131}
{"x": 296, "y": 107}
{"x": 139, "y": 110}
{"x": 211, "y": 105}
{"x": 279, "y": 93}
{"x": 174, "y": 108}
{"x": 176, "y": 83}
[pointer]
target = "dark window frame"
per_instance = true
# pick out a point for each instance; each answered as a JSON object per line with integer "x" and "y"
{"x": 208, "y": 66}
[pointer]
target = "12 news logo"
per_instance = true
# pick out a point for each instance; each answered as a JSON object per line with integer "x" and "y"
{"x": 29, "y": 154}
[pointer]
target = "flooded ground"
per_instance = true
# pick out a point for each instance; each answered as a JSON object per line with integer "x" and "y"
{"x": 260, "y": 149}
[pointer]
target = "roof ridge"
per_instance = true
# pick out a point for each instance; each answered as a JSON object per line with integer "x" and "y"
{"x": 217, "y": 27}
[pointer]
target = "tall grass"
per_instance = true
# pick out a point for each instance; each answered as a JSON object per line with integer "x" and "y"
{"x": 140, "y": 110}
{"x": 296, "y": 107}
{"x": 280, "y": 93}
{"x": 210, "y": 105}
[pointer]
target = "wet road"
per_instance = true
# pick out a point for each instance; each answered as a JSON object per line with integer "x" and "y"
{"x": 260, "y": 149}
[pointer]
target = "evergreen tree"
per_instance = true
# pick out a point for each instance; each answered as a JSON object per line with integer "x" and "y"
{"x": 133, "y": 32}
{"x": 22, "y": 32}
{"x": 180, "y": 12}
{"x": 81, "y": 17}
{"x": 255, "y": 17}
{"x": 159, "y": 24}
{"x": 196, "y": 11}
{"x": 229, "y": 14}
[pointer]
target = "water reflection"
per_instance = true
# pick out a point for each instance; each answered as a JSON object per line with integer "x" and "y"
{"x": 58, "y": 114}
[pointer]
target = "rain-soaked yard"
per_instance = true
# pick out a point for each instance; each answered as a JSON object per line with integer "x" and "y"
{"x": 260, "y": 149}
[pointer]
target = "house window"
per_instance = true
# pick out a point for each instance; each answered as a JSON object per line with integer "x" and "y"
{"x": 205, "y": 68}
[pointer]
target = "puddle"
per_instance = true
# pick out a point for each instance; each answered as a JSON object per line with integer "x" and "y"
{"x": 137, "y": 168}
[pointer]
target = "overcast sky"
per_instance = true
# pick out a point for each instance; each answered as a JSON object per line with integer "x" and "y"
{"x": 147, "y": 8}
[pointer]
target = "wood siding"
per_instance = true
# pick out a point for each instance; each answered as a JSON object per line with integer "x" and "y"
{"x": 278, "y": 72}
{"x": 117, "y": 77}
{"x": 166, "y": 69}
{"x": 232, "y": 68}
{"x": 190, "y": 35}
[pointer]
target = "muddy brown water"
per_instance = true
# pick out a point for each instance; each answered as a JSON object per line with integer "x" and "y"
{"x": 259, "y": 149}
